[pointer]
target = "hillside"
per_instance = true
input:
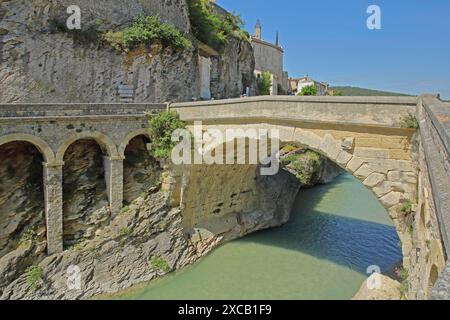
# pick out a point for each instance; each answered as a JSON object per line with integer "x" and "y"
{"x": 355, "y": 91}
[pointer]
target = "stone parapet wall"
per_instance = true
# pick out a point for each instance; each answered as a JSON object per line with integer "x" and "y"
{"x": 435, "y": 140}
{"x": 34, "y": 110}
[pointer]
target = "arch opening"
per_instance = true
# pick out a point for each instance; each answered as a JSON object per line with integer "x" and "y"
{"x": 85, "y": 198}
{"x": 22, "y": 208}
{"x": 432, "y": 279}
{"x": 142, "y": 173}
{"x": 104, "y": 142}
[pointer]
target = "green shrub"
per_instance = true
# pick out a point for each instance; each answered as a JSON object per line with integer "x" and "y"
{"x": 263, "y": 84}
{"x": 410, "y": 121}
{"x": 159, "y": 264}
{"x": 305, "y": 165}
{"x": 124, "y": 232}
{"x": 407, "y": 207}
{"x": 308, "y": 91}
{"x": 404, "y": 288}
{"x": 145, "y": 30}
{"x": 211, "y": 28}
{"x": 161, "y": 128}
{"x": 28, "y": 235}
{"x": 34, "y": 275}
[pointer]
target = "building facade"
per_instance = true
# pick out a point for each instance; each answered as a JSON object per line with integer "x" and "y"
{"x": 297, "y": 84}
{"x": 269, "y": 58}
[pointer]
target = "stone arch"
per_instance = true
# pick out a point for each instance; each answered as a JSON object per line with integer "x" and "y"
{"x": 103, "y": 140}
{"x": 129, "y": 137}
{"x": 432, "y": 278}
{"x": 391, "y": 181}
{"x": 40, "y": 144}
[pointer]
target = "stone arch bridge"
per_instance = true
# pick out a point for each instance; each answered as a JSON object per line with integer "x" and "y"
{"x": 366, "y": 136}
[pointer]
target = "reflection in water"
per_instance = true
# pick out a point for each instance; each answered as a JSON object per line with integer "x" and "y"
{"x": 336, "y": 232}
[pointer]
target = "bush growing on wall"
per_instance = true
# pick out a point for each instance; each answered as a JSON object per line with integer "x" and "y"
{"x": 211, "y": 28}
{"x": 160, "y": 128}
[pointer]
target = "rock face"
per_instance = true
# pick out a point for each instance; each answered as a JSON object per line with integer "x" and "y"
{"x": 141, "y": 172}
{"x": 21, "y": 196}
{"x": 120, "y": 255}
{"x": 84, "y": 192}
{"x": 233, "y": 71}
{"x": 387, "y": 289}
{"x": 309, "y": 167}
{"x": 38, "y": 64}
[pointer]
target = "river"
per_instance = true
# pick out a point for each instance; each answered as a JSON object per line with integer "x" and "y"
{"x": 335, "y": 233}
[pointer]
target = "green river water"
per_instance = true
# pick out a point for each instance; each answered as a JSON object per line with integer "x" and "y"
{"x": 335, "y": 233}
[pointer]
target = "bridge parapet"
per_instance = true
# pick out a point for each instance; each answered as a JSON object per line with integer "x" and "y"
{"x": 358, "y": 111}
{"x": 76, "y": 110}
{"x": 435, "y": 135}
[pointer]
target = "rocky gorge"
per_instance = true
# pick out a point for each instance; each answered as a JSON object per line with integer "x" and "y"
{"x": 153, "y": 235}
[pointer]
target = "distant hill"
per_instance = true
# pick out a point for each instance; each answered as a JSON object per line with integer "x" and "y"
{"x": 355, "y": 91}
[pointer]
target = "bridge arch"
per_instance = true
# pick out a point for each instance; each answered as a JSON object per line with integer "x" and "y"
{"x": 40, "y": 144}
{"x": 393, "y": 181}
{"x": 103, "y": 140}
{"x": 129, "y": 137}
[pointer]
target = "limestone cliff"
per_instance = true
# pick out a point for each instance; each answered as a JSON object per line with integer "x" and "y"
{"x": 38, "y": 63}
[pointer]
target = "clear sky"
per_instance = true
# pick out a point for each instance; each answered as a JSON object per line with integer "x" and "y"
{"x": 329, "y": 40}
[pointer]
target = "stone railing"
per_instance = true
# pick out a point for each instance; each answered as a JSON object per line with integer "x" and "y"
{"x": 435, "y": 135}
{"x": 76, "y": 110}
{"x": 358, "y": 111}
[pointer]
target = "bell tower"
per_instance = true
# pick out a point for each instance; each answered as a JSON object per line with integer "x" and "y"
{"x": 258, "y": 30}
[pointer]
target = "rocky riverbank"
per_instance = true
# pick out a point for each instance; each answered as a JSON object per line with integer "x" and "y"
{"x": 379, "y": 287}
{"x": 151, "y": 236}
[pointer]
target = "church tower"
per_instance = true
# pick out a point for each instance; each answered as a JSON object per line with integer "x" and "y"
{"x": 258, "y": 30}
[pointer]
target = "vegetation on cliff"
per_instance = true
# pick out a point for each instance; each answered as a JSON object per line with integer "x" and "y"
{"x": 144, "y": 30}
{"x": 160, "y": 128}
{"x": 211, "y": 28}
{"x": 310, "y": 168}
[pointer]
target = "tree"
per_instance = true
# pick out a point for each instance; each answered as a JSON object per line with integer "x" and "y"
{"x": 337, "y": 93}
{"x": 308, "y": 91}
{"x": 264, "y": 83}
{"x": 160, "y": 129}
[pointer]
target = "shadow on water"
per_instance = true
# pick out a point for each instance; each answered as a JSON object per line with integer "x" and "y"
{"x": 353, "y": 230}
{"x": 353, "y": 243}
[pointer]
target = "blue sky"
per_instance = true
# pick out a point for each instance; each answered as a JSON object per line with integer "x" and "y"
{"x": 329, "y": 40}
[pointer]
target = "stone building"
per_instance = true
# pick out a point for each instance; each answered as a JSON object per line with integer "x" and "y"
{"x": 297, "y": 84}
{"x": 269, "y": 57}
